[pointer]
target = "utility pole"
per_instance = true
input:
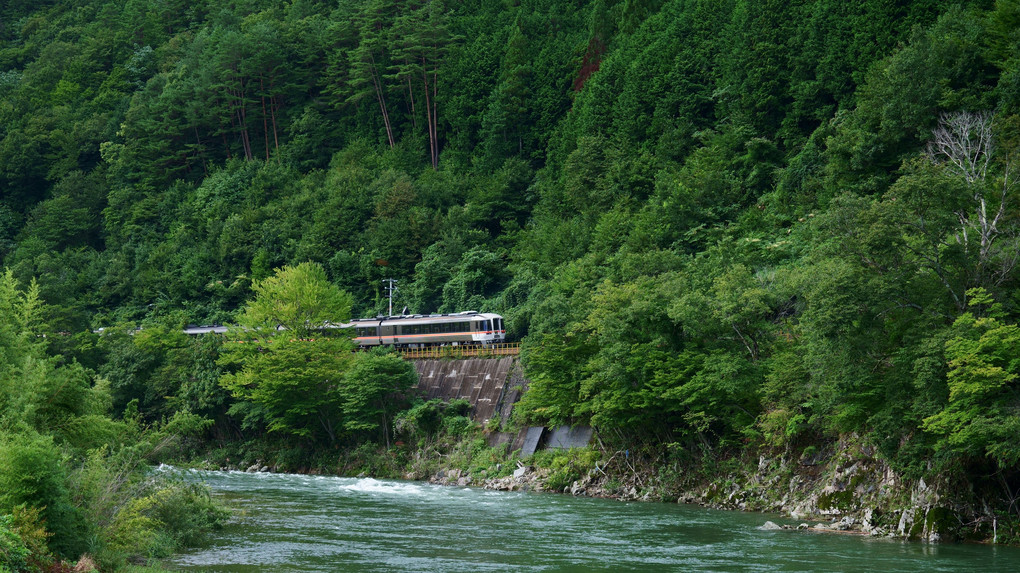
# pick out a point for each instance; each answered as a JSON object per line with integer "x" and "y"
{"x": 390, "y": 290}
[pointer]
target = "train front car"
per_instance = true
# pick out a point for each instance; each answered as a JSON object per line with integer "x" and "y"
{"x": 490, "y": 329}
{"x": 417, "y": 331}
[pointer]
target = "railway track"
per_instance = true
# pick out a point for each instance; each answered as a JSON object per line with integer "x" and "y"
{"x": 454, "y": 352}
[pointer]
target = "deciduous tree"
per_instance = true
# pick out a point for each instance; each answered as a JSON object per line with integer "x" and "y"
{"x": 289, "y": 360}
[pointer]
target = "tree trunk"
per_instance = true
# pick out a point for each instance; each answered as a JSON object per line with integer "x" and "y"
{"x": 430, "y": 104}
{"x": 382, "y": 104}
{"x": 265, "y": 118}
{"x": 273, "y": 106}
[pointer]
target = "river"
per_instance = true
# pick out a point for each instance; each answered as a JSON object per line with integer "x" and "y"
{"x": 320, "y": 523}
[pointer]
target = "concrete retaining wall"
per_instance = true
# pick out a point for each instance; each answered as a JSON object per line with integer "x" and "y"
{"x": 492, "y": 386}
{"x": 482, "y": 381}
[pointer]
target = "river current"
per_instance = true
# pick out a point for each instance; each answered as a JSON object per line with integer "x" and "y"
{"x": 320, "y": 523}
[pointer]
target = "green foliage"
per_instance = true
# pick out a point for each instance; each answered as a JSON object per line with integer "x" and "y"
{"x": 293, "y": 386}
{"x": 374, "y": 389}
{"x": 291, "y": 379}
{"x": 137, "y": 513}
{"x": 982, "y": 414}
{"x": 13, "y": 551}
{"x": 425, "y": 420}
{"x": 565, "y": 467}
{"x": 31, "y": 474}
{"x": 554, "y": 391}
{"x": 300, "y": 299}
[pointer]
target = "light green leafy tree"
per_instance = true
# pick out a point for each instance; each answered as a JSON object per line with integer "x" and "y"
{"x": 289, "y": 362}
{"x": 21, "y": 349}
{"x": 982, "y": 417}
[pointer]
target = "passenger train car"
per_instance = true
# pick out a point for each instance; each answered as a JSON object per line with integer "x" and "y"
{"x": 413, "y": 331}
{"x": 420, "y": 330}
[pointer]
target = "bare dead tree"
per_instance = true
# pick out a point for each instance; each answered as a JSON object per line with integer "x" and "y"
{"x": 963, "y": 142}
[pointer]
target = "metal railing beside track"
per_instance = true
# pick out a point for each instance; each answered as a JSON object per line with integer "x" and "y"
{"x": 453, "y": 352}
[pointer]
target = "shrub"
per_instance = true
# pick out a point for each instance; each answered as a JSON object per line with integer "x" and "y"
{"x": 425, "y": 420}
{"x": 566, "y": 466}
{"x": 13, "y": 552}
{"x": 31, "y": 474}
{"x": 458, "y": 426}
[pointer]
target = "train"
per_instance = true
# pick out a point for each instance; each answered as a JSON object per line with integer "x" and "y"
{"x": 421, "y": 330}
{"x": 412, "y": 330}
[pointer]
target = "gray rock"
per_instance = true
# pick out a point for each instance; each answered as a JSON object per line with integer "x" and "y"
{"x": 519, "y": 472}
{"x": 841, "y": 525}
{"x": 867, "y": 520}
{"x": 769, "y": 526}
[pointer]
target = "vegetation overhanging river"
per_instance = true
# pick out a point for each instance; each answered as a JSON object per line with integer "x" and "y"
{"x": 320, "y": 523}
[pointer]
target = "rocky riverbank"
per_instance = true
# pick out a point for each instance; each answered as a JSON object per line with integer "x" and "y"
{"x": 843, "y": 489}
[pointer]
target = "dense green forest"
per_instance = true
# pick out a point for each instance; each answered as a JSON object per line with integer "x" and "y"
{"x": 714, "y": 224}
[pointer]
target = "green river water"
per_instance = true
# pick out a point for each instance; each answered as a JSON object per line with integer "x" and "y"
{"x": 319, "y": 523}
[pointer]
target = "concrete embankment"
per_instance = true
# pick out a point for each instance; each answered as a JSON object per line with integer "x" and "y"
{"x": 491, "y": 385}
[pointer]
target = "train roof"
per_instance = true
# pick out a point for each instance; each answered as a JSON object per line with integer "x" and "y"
{"x": 205, "y": 329}
{"x": 422, "y": 318}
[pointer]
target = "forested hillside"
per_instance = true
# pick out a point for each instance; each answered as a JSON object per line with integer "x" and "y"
{"x": 715, "y": 224}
